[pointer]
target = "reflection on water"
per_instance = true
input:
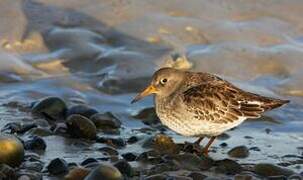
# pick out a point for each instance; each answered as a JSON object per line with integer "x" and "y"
{"x": 102, "y": 53}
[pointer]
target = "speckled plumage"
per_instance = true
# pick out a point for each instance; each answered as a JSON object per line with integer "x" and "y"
{"x": 201, "y": 104}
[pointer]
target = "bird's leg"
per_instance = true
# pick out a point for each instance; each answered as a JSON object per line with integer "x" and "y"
{"x": 205, "y": 150}
{"x": 199, "y": 141}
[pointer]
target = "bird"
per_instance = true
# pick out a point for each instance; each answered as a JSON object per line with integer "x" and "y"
{"x": 200, "y": 104}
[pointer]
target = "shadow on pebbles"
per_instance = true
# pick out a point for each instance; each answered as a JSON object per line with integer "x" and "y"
{"x": 146, "y": 154}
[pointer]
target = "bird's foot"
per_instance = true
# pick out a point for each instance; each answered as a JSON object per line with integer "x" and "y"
{"x": 192, "y": 148}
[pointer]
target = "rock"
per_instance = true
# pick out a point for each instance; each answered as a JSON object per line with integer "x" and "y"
{"x": 223, "y": 137}
{"x": 77, "y": 173}
{"x": 295, "y": 177}
{"x": 156, "y": 177}
{"x": 11, "y": 150}
{"x": 125, "y": 168}
{"x": 104, "y": 172}
{"x": 229, "y": 167}
{"x": 255, "y": 149}
{"x": 197, "y": 175}
{"x": 35, "y": 144}
{"x": 88, "y": 161}
{"x": 106, "y": 120}
{"x": 148, "y": 116}
{"x": 17, "y": 127}
{"x": 109, "y": 151}
{"x": 115, "y": 142}
{"x": 51, "y": 107}
{"x": 79, "y": 126}
{"x": 165, "y": 145}
{"x": 38, "y": 131}
{"x": 34, "y": 166}
{"x": 192, "y": 162}
{"x": 57, "y": 166}
{"x": 264, "y": 169}
{"x": 129, "y": 156}
{"x": 239, "y": 152}
{"x": 223, "y": 145}
{"x": 175, "y": 177}
{"x": 132, "y": 140}
{"x": 83, "y": 110}
{"x": 163, "y": 167}
{"x": 6, "y": 172}
{"x": 244, "y": 177}
{"x": 276, "y": 178}
{"x": 29, "y": 174}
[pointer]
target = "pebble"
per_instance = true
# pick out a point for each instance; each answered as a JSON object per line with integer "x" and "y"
{"x": 88, "y": 161}
{"x": 57, "y": 166}
{"x": 79, "y": 126}
{"x": 156, "y": 177}
{"x": 265, "y": 169}
{"x": 295, "y": 177}
{"x": 197, "y": 175}
{"x": 11, "y": 150}
{"x": 7, "y": 172}
{"x": 148, "y": 116}
{"x": 228, "y": 166}
{"x": 83, "y": 110}
{"x": 132, "y": 140}
{"x": 51, "y": 107}
{"x": 193, "y": 162}
{"x": 105, "y": 121}
{"x": 34, "y": 166}
{"x": 16, "y": 127}
{"x": 129, "y": 156}
{"x": 104, "y": 172}
{"x": 165, "y": 145}
{"x": 239, "y": 152}
{"x": 35, "y": 144}
{"x": 77, "y": 173}
{"x": 115, "y": 142}
{"x": 38, "y": 131}
{"x": 109, "y": 151}
{"x": 125, "y": 168}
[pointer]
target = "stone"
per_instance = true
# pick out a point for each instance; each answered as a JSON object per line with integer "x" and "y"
{"x": 129, "y": 156}
{"x": 125, "y": 168}
{"x": 197, "y": 175}
{"x": 83, "y": 110}
{"x": 105, "y": 121}
{"x": 228, "y": 166}
{"x": 79, "y": 126}
{"x": 165, "y": 145}
{"x": 266, "y": 170}
{"x": 192, "y": 162}
{"x": 51, "y": 107}
{"x": 57, "y": 166}
{"x": 156, "y": 177}
{"x": 239, "y": 152}
{"x": 115, "y": 142}
{"x": 35, "y": 144}
{"x": 77, "y": 173}
{"x": 11, "y": 150}
{"x": 104, "y": 172}
{"x": 109, "y": 151}
{"x": 88, "y": 161}
{"x": 148, "y": 116}
{"x": 39, "y": 131}
{"x": 132, "y": 140}
{"x": 7, "y": 172}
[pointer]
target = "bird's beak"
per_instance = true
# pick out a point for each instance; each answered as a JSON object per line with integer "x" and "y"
{"x": 149, "y": 90}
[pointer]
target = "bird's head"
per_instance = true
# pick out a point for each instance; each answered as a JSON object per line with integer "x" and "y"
{"x": 164, "y": 82}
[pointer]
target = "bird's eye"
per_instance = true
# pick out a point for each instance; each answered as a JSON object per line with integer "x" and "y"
{"x": 163, "y": 81}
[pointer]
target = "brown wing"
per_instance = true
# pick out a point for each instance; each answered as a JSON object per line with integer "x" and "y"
{"x": 221, "y": 102}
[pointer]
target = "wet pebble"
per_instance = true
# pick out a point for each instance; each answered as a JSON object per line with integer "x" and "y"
{"x": 104, "y": 172}
{"x": 157, "y": 177}
{"x": 34, "y": 166}
{"x": 83, "y": 110}
{"x": 16, "y": 127}
{"x": 197, "y": 175}
{"x": 35, "y": 144}
{"x": 125, "y": 168}
{"x": 165, "y": 145}
{"x": 223, "y": 145}
{"x": 295, "y": 177}
{"x": 106, "y": 121}
{"x": 264, "y": 169}
{"x": 57, "y": 166}
{"x": 39, "y": 131}
{"x": 255, "y": 149}
{"x": 77, "y": 173}
{"x": 115, "y": 142}
{"x": 11, "y": 150}
{"x": 229, "y": 167}
{"x": 132, "y": 140}
{"x": 148, "y": 116}
{"x": 7, "y": 172}
{"x": 223, "y": 136}
{"x": 79, "y": 126}
{"x": 109, "y": 151}
{"x": 129, "y": 156}
{"x": 88, "y": 161}
{"x": 193, "y": 162}
{"x": 50, "y": 107}
{"x": 244, "y": 177}
{"x": 239, "y": 152}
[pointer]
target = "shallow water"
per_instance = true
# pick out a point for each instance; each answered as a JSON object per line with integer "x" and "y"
{"x": 103, "y": 52}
